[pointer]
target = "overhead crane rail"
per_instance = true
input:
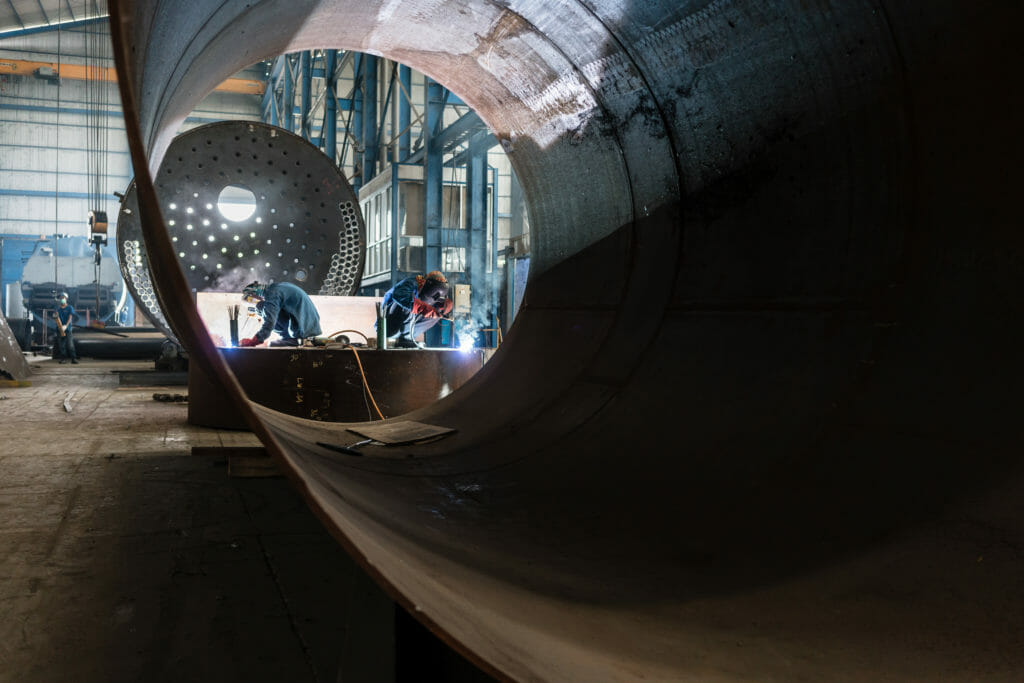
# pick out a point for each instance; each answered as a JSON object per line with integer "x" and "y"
{"x": 79, "y": 72}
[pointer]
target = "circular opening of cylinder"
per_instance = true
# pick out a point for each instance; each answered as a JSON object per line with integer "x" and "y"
{"x": 391, "y": 227}
{"x": 236, "y": 203}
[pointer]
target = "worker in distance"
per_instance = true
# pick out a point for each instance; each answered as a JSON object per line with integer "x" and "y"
{"x": 65, "y": 318}
{"x": 285, "y": 309}
{"x": 414, "y": 305}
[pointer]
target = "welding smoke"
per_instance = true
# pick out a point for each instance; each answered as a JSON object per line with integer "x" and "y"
{"x": 485, "y": 295}
{"x": 237, "y": 278}
{"x": 467, "y": 333}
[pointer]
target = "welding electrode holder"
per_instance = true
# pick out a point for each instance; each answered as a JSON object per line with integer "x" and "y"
{"x": 233, "y": 325}
{"x": 382, "y": 328}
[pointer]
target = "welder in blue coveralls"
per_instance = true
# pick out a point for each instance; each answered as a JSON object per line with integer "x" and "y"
{"x": 414, "y": 305}
{"x": 285, "y": 309}
{"x": 66, "y": 317}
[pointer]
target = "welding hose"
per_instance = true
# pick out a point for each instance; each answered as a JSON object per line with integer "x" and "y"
{"x": 335, "y": 334}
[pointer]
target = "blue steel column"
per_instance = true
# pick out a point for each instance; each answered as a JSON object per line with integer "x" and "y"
{"x": 394, "y": 223}
{"x": 270, "y": 106}
{"x": 331, "y": 106}
{"x": 476, "y": 223}
{"x": 356, "y": 132}
{"x": 404, "y": 107}
{"x": 306, "y": 68}
{"x": 369, "y": 117}
{"x": 433, "y": 175}
{"x": 288, "y": 104}
{"x": 494, "y": 278}
{"x": 274, "y": 107}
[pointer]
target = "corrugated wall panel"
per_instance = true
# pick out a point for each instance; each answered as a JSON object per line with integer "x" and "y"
{"x": 41, "y": 191}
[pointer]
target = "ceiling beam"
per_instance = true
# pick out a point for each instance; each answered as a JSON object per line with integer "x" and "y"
{"x": 17, "y": 16}
{"x": 42, "y": 9}
{"x": 14, "y": 33}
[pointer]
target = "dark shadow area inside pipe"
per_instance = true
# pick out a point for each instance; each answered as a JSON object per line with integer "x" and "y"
{"x": 692, "y": 522}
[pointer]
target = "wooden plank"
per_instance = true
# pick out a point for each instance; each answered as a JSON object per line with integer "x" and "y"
{"x": 145, "y": 389}
{"x": 152, "y": 378}
{"x": 246, "y": 467}
{"x": 244, "y": 462}
{"x": 224, "y": 451}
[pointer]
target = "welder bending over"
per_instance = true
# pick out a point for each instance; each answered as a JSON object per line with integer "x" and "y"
{"x": 414, "y": 305}
{"x": 285, "y": 309}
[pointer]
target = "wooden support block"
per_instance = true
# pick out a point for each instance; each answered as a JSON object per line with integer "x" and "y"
{"x": 243, "y": 461}
{"x": 152, "y": 378}
{"x": 244, "y": 466}
{"x": 15, "y": 383}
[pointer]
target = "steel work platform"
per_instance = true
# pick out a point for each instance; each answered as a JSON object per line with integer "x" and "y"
{"x": 326, "y": 383}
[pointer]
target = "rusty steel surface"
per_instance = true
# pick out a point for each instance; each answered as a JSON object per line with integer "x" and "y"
{"x": 12, "y": 361}
{"x": 305, "y": 226}
{"x": 777, "y": 238}
{"x": 326, "y": 383}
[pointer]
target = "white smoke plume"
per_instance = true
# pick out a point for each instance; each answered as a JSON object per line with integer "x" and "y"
{"x": 467, "y": 335}
{"x": 237, "y": 278}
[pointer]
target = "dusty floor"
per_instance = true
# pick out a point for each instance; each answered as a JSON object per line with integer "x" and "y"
{"x": 125, "y": 558}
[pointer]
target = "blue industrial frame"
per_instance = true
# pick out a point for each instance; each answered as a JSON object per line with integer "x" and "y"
{"x": 363, "y": 130}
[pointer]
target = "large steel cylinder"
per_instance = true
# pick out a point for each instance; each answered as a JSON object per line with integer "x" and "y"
{"x": 759, "y": 414}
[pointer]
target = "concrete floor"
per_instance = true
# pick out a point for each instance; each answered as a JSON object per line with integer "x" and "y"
{"x": 125, "y": 558}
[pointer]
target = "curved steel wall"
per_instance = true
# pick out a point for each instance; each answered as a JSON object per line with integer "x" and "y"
{"x": 758, "y": 414}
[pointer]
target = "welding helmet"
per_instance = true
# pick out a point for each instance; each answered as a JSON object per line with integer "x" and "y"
{"x": 253, "y": 290}
{"x": 435, "y": 288}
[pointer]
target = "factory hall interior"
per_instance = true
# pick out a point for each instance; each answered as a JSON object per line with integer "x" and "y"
{"x": 403, "y": 341}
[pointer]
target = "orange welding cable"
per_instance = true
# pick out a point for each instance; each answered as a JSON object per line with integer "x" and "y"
{"x": 365, "y": 383}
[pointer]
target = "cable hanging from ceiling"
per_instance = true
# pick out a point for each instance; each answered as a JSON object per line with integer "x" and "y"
{"x": 56, "y": 163}
{"x": 97, "y": 95}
